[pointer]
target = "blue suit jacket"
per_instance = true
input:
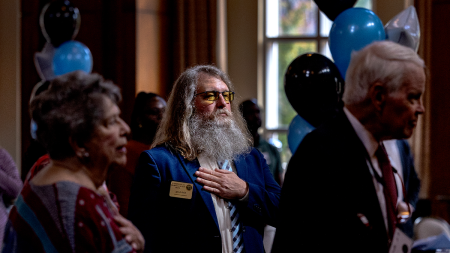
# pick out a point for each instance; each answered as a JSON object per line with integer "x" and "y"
{"x": 190, "y": 225}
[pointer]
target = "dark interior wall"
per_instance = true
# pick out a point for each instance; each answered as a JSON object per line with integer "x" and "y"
{"x": 107, "y": 28}
{"x": 439, "y": 107}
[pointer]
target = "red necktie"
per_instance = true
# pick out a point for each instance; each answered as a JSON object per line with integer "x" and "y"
{"x": 389, "y": 188}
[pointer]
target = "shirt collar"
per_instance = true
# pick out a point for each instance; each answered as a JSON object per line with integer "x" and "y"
{"x": 364, "y": 135}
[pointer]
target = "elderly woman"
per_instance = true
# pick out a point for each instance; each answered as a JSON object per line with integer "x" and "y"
{"x": 61, "y": 208}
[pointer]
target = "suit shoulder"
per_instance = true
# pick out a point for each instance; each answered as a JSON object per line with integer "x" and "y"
{"x": 161, "y": 150}
{"x": 255, "y": 152}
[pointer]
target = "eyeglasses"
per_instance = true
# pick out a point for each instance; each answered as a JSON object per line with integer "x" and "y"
{"x": 212, "y": 96}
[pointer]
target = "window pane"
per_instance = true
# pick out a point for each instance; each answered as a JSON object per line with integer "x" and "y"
{"x": 325, "y": 49}
{"x": 280, "y": 54}
{"x": 291, "y": 18}
{"x": 325, "y": 25}
{"x": 364, "y": 4}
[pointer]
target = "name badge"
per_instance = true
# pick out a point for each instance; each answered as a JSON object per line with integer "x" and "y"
{"x": 181, "y": 190}
{"x": 401, "y": 243}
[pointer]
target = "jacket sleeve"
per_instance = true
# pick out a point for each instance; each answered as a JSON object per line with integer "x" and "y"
{"x": 145, "y": 194}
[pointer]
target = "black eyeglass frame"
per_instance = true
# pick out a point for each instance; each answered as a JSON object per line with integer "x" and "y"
{"x": 216, "y": 95}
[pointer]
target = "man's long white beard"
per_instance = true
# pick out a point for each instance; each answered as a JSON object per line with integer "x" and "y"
{"x": 218, "y": 137}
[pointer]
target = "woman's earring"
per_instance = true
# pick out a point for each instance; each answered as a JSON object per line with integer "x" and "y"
{"x": 140, "y": 125}
{"x": 83, "y": 155}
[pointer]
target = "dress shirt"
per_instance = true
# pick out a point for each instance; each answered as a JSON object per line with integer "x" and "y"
{"x": 221, "y": 207}
{"x": 371, "y": 146}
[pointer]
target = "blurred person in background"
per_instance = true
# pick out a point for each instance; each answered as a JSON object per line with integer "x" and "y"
{"x": 147, "y": 113}
{"x": 401, "y": 159}
{"x": 62, "y": 209}
{"x": 252, "y": 116}
{"x": 10, "y": 186}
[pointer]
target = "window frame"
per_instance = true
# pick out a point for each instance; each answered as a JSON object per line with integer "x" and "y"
{"x": 264, "y": 51}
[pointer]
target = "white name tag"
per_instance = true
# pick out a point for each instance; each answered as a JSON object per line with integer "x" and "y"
{"x": 401, "y": 243}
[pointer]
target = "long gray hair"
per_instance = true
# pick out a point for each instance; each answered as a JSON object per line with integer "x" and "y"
{"x": 174, "y": 128}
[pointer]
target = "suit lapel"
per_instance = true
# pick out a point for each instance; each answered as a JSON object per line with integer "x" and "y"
{"x": 241, "y": 168}
{"x": 365, "y": 189}
{"x": 191, "y": 168}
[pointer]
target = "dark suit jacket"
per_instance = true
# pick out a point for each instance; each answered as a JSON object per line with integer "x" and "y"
{"x": 190, "y": 225}
{"x": 327, "y": 190}
{"x": 411, "y": 181}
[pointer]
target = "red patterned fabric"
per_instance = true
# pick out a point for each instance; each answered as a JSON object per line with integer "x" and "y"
{"x": 65, "y": 217}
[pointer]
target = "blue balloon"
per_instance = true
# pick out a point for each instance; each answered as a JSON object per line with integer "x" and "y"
{"x": 70, "y": 56}
{"x": 352, "y": 30}
{"x": 298, "y": 129}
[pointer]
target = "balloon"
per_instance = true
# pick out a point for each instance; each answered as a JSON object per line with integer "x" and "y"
{"x": 70, "y": 56}
{"x": 43, "y": 62}
{"x": 332, "y": 8}
{"x": 352, "y": 30}
{"x": 404, "y": 29}
{"x": 314, "y": 87}
{"x": 298, "y": 129}
{"x": 59, "y": 21}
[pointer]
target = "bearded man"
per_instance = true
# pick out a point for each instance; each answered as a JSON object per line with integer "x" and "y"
{"x": 202, "y": 187}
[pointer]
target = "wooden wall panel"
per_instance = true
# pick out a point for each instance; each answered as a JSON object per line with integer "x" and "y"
{"x": 440, "y": 107}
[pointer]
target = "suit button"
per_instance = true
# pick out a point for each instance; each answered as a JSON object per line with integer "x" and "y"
{"x": 243, "y": 229}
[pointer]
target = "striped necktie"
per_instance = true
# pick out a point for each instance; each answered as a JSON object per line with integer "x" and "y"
{"x": 236, "y": 228}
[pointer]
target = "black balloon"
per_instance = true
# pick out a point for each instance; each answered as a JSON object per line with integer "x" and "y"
{"x": 59, "y": 21}
{"x": 332, "y": 8}
{"x": 314, "y": 87}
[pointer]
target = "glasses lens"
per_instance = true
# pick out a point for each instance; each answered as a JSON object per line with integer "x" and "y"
{"x": 211, "y": 96}
{"x": 226, "y": 95}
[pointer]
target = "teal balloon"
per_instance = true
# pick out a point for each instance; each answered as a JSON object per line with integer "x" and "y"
{"x": 298, "y": 129}
{"x": 70, "y": 56}
{"x": 352, "y": 30}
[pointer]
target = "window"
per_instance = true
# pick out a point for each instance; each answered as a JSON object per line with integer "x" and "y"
{"x": 292, "y": 28}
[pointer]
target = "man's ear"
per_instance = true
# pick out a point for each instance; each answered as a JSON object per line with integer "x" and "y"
{"x": 79, "y": 150}
{"x": 377, "y": 94}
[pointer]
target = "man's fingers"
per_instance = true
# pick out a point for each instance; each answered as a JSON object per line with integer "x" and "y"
{"x": 223, "y": 171}
{"x": 211, "y": 189}
{"x": 209, "y": 175}
{"x": 207, "y": 182}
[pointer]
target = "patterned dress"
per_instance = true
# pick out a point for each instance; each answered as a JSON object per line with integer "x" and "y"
{"x": 65, "y": 217}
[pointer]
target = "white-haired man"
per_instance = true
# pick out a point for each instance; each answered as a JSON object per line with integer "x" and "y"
{"x": 180, "y": 200}
{"x": 340, "y": 192}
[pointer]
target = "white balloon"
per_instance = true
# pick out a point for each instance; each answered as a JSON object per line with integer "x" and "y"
{"x": 43, "y": 62}
{"x": 404, "y": 28}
